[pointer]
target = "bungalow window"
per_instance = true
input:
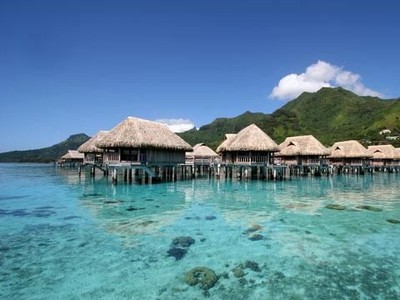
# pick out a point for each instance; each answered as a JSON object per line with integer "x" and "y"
{"x": 129, "y": 154}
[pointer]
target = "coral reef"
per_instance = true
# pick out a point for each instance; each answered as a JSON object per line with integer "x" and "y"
{"x": 179, "y": 246}
{"x": 253, "y": 228}
{"x": 369, "y": 207}
{"x": 335, "y": 206}
{"x": 182, "y": 241}
{"x": 201, "y": 275}
{"x": 178, "y": 253}
{"x": 238, "y": 272}
{"x": 256, "y": 237}
{"x": 393, "y": 221}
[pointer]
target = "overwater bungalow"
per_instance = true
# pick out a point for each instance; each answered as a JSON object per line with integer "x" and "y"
{"x": 201, "y": 155}
{"x": 92, "y": 153}
{"x": 139, "y": 141}
{"x": 303, "y": 150}
{"x": 349, "y": 153}
{"x": 250, "y": 146}
{"x": 71, "y": 158}
{"x": 384, "y": 155}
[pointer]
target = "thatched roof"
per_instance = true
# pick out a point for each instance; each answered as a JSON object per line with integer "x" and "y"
{"x": 349, "y": 149}
{"x": 251, "y": 138}
{"x": 383, "y": 152}
{"x": 302, "y": 145}
{"x": 229, "y": 137}
{"x": 72, "y": 154}
{"x": 201, "y": 150}
{"x": 90, "y": 145}
{"x": 140, "y": 133}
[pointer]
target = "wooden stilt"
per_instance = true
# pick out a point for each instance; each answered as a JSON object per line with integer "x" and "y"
{"x": 114, "y": 176}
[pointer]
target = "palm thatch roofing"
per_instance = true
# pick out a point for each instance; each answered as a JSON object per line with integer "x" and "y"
{"x": 383, "y": 152}
{"x": 72, "y": 154}
{"x": 229, "y": 137}
{"x": 302, "y": 145}
{"x": 349, "y": 149}
{"x": 201, "y": 150}
{"x": 139, "y": 133}
{"x": 90, "y": 145}
{"x": 251, "y": 138}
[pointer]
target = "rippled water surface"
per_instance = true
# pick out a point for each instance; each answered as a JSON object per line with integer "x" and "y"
{"x": 65, "y": 237}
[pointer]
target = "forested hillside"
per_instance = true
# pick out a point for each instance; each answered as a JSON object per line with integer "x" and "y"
{"x": 331, "y": 114}
{"x": 47, "y": 154}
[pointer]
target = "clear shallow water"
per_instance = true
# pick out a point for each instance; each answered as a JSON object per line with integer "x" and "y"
{"x": 62, "y": 237}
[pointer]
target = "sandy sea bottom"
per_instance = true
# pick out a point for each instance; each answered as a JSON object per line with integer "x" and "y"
{"x": 65, "y": 237}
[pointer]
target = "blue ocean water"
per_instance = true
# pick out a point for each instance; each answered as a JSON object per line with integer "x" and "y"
{"x": 65, "y": 237}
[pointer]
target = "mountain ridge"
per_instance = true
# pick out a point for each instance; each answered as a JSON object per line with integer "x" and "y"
{"x": 47, "y": 154}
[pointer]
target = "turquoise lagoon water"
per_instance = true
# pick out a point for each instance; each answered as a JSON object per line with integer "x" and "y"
{"x": 65, "y": 237}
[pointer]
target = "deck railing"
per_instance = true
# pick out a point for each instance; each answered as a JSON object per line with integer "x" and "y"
{"x": 199, "y": 161}
{"x": 252, "y": 160}
{"x": 89, "y": 160}
{"x": 313, "y": 161}
{"x": 111, "y": 157}
{"x": 354, "y": 162}
{"x": 114, "y": 158}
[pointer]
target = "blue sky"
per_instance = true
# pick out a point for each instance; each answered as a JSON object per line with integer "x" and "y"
{"x": 82, "y": 66}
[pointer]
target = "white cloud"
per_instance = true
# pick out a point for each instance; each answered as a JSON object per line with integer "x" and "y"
{"x": 321, "y": 72}
{"x": 177, "y": 125}
{"x": 316, "y": 76}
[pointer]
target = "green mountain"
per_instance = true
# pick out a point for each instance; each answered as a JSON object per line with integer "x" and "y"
{"x": 48, "y": 154}
{"x": 331, "y": 114}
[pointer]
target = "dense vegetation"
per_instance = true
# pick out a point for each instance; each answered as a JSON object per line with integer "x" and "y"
{"x": 331, "y": 114}
{"x": 45, "y": 155}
